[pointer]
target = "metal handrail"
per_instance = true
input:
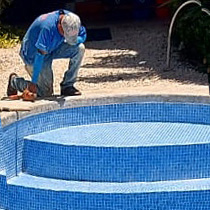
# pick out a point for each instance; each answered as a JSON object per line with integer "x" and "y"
{"x": 172, "y": 24}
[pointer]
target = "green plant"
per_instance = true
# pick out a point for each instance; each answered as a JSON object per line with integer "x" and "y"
{"x": 10, "y": 36}
{"x": 192, "y": 29}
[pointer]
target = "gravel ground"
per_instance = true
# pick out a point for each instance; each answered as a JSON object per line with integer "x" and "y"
{"x": 135, "y": 59}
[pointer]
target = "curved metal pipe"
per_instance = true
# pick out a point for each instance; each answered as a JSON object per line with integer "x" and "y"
{"x": 205, "y": 10}
{"x": 172, "y": 24}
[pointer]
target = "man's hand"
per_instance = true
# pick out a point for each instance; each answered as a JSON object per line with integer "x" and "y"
{"x": 25, "y": 96}
{"x": 28, "y": 95}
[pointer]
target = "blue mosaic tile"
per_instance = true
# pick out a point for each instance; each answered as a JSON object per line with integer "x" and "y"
{"x": 10, "y": 150}
{"x": 130, "y": 112}
{"x": 36, "y": 193}
{"x": 3, "y": 191}
{"x": 2, "y": 166}
{"x": 116, "y": 163}
{"x": 124, "y": 134}
{"x": 194, "y": 158}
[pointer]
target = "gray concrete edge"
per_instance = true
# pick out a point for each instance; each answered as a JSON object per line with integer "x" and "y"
{"x": 54, "y": 103}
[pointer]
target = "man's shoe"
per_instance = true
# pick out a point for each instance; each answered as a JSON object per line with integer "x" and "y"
{"x": 10, "y": 90}
{"x": 70, "y": 91}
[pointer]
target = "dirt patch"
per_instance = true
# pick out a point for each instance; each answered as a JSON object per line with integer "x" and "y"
{"x": 135, "y": 59}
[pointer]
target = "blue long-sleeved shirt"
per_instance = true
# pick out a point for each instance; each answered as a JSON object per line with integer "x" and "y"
{"x": 43, "y": 34}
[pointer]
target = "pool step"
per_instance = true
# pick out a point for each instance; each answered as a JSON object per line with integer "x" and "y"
{"x": 36, "y": 193}
{"x": 120, "y": 152}
{"x": 3, "y": 190}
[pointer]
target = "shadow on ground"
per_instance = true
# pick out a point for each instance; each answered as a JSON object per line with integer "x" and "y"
{"x": 140, "y": 48}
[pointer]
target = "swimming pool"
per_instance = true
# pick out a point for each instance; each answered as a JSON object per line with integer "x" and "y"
{"x": 135, "y": 153}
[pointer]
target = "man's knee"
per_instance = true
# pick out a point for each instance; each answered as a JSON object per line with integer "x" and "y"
{"x": 81, "y": 48}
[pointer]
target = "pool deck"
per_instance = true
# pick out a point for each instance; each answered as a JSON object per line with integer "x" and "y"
{"x": 198, "y": 94}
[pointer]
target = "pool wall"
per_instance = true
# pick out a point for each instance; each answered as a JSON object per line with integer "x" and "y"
{"x": 111, "y": 164}
{"x": 1, "y": 149}
{"x": 72, "y": 112}
{"x": 195, "y": 200}
{"x": 15, "y": 132}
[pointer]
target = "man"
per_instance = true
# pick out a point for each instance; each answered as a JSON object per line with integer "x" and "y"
{"x": 58, "y": 34}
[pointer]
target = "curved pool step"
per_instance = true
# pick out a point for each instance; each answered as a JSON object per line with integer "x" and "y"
{"x": 36, "y": 193}
{"x": 120, "y": 152}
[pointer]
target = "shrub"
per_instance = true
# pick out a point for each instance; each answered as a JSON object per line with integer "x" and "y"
{"x": 10, "y": 36}
{"x": 192, "y": 29}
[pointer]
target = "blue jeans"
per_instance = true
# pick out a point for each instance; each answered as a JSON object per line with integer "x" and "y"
{"x": 45, "y": 81}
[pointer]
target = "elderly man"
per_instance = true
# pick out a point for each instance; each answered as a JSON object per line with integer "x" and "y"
{"x": 55, "y": 35}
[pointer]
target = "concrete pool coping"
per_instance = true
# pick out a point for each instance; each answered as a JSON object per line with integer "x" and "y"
{"x": 89, "y": 99}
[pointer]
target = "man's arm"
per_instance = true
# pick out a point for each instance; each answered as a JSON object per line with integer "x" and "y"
{"x": 82, "y": 35}
{"x": 42, "y": 48}
{"x": 42, "y": 45}
{"x": 30, "y": 93}
{"x": 37, "y": 66}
